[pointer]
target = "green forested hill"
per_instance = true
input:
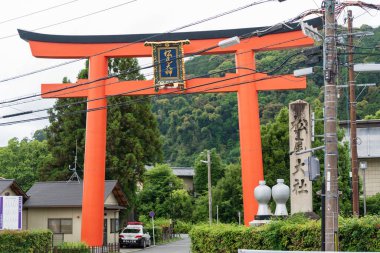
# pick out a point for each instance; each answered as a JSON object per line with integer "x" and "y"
{"x": 192, "y": 123}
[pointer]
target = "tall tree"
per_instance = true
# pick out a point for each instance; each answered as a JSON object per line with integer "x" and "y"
{"x": 201, "y": 171}
{"x": 160, "y": 190}
{"x": 21, "y": 160}
{"x": 133, "y": 139}
{"x": 227, "y": 194}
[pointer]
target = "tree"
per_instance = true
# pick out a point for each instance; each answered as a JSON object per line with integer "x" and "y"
{"x": 182, "y": 205}
{"x": 227, "y": 194}
{"x": 133, "y": 139}
{"x": 275, "y": 145}
{"x": 159, "y": 189}
{"x": 201, "y": 171}
{"x": 21, "y": 160}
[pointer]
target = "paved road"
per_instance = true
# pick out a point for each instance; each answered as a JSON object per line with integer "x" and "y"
{"x": 181, "y": 246}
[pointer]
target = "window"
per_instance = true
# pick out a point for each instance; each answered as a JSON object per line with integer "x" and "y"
{"x": 61, "y": 226}
{"x": 114, "y": 225}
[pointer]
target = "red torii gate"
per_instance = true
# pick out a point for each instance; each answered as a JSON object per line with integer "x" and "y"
{"x": 99, "y": 48}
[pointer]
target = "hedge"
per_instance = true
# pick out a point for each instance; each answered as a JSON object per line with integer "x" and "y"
{"x": 72, "y": 247}
{"x": 296, "y": 235}
{"x": 14, "y": 241}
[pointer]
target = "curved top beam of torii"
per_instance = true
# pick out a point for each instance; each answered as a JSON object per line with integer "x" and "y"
{"x": 132, "y": 45}
{"x": 245, "y": 82}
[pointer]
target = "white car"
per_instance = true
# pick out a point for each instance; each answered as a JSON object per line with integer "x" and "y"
{"x": 134, "y": 234}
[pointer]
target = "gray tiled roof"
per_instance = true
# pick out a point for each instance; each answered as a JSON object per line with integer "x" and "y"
{"x": 61, "y": 194}
{"x": 183, "y": 171}
{"x": 12, "y": 184}
{"x": 178, "y": 171}
{"x": 4, "y": 184}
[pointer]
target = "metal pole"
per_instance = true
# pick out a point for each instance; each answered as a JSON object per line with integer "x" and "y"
{"x": 239, "y": 214}
{"x": 217, "y": 214}
{"x": 364, "y": 195}
{"x": 154, "y": 240}
{"x": 353, "y": 138}
{"x": 331, "y": 140}
{"x": 209, "y": 187}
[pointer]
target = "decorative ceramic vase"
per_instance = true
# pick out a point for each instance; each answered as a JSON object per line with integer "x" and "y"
{"x": 262, "y": 195}
{"x": 280, "y": 194}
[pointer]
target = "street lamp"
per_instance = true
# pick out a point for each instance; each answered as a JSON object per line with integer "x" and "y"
{"x": 363, "y": 166}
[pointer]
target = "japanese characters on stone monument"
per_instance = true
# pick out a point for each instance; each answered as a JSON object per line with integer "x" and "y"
{"x": 299, "y": 140}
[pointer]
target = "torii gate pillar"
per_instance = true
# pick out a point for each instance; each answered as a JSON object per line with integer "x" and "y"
{"x": 250, "y": 137}
{"x": 94, "y": 157}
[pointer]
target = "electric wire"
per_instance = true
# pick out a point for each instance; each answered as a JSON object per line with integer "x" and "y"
{"x": 134, "y": 101}
{"x": 36, "y": 12}
{"x": 135, "y": 42}
{"x": 173, "y": 92}
{"x": 73, "y": 19}
{"x": 131, "y": 71}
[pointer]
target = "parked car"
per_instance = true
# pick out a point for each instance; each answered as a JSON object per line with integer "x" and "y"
{"x": 134, "y": 234}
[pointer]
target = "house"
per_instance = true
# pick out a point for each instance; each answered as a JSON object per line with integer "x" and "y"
{"x": 187, "y": 175}
{"x": 184, "y": 173}
{"x": 368, "y": 145}
{"x": 9, "y": 187}
{"x": 58, "y": 206}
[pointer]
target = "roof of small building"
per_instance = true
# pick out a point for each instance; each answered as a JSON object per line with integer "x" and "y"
{"x": 12, "y": 184}
{"x": 368, "y": 137}
{"x": 69, "y": 194}
{"x": 178, "y": 171}
{"x": 183, "y": 171}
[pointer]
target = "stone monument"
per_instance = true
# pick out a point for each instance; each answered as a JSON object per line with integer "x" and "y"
{"x": 299, "y": 140}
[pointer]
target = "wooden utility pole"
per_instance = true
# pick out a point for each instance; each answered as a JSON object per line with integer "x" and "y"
{"x": 353, "y": 138}
{"x": 331, "y": 139}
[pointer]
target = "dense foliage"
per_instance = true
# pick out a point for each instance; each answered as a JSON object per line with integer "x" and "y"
{"x": 23, "y": 160}
{"x": 12, "y": 241}
{"x": 297, "y": 234}
{"x": 192, "y": 123}
{"x": 133, "y": 139}
{"x": 162, "y": 193}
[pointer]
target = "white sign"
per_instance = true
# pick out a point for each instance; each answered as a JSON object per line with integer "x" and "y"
{"x": 10, "y": 212}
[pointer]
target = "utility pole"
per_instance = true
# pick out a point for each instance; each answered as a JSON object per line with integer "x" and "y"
{"x": 353, "y": 138}
{"x": 331, "y": 139}
{"x": 209, "y": 187}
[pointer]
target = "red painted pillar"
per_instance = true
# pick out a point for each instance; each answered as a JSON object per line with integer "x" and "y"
{"x": 95, "y": 157}
{"x": 250, "y": 138}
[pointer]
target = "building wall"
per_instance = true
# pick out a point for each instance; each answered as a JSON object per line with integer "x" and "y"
{"x": 372, "y": 175}
{"x": 37, "y": 218}
{"x": 11, "y": 193}
{"x": 189, "y": 183}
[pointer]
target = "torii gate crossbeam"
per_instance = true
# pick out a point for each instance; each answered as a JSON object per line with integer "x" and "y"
{"x": 56, "y": 46}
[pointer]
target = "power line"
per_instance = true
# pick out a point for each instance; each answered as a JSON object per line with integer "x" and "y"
{"x": 73, "y": 19}
{"x": 131, "y": 102}
{"x": 128, "y": 72}
{"x": 173, "y": 92}
{"x": 137, "y": 41}
{"x": 36, "y": 12}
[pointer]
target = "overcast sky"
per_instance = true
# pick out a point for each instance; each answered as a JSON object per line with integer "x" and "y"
{"x": 140, "y": 16}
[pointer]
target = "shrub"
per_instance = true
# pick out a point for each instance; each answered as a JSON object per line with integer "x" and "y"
{"x": 14, "y": 241}
{"x": 181, "y": 227}
{"x": 295, "y": 234}
{"x": 73, "y": 247}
